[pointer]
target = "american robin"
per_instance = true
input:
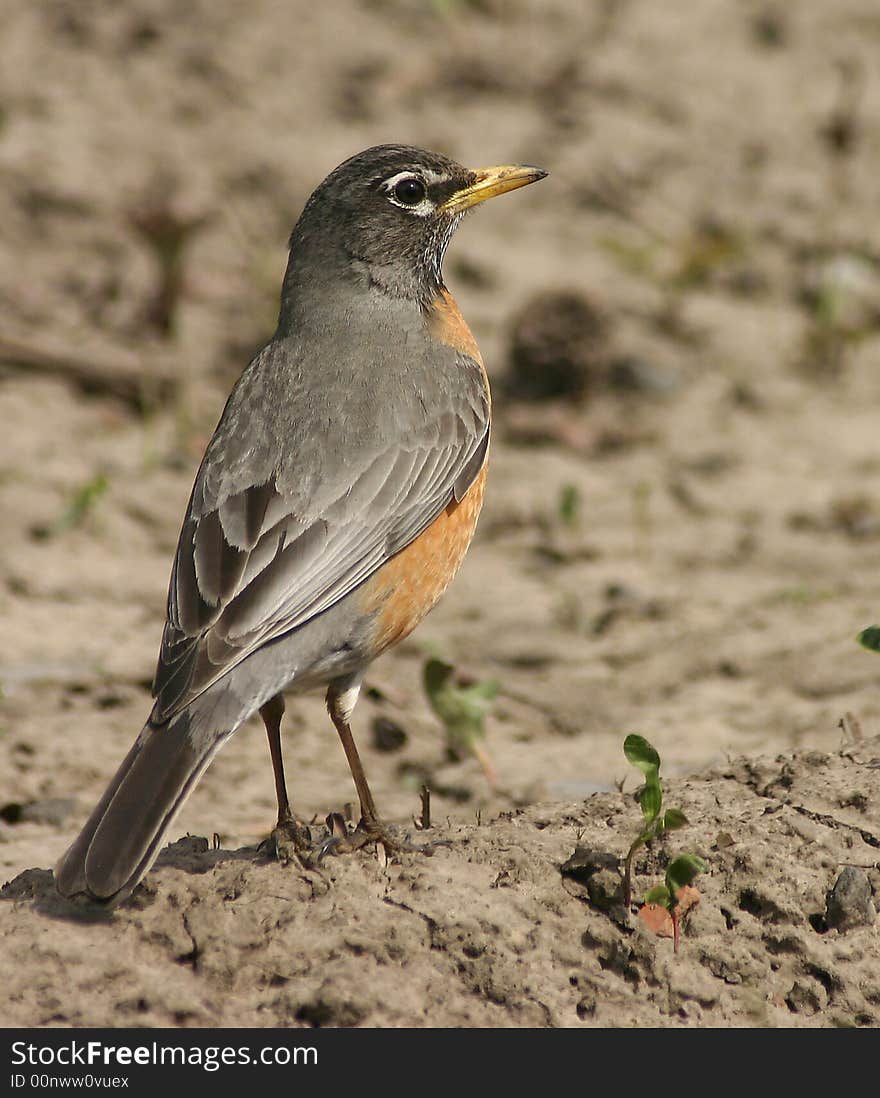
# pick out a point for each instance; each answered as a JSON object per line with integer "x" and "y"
{"x": 334, "y": 504}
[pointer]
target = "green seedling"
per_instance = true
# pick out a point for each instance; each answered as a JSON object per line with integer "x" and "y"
{"x": 462, "y": 708}
{"x": 870, "y": 638}
{"x": 680, "y": 872}
{"x": 569, "y": 504}
{"x": 655, "y": 822}
{"x": 82, "y": 503}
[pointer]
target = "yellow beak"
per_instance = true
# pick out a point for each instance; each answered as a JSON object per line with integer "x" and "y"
{"x": 491, "y": 182}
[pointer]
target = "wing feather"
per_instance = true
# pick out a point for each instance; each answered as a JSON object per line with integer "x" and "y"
{"x": 250, "y": 567}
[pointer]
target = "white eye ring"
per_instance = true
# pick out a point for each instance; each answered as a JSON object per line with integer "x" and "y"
{"x": 396, "y": 188}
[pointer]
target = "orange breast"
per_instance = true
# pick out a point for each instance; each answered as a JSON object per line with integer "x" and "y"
{"x": 446, "y": 323}
{"x": 408, "y": 586}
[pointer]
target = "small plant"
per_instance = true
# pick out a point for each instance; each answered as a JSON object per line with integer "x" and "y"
{"x": 679, "y": 873}
{"x": 569, "y": 506}
{"x": 870, "y": 638}
{"x": 462, "y": 707}
{"x": 78, "y": 509}
{"x": 681, "y": 870}
{"x": 644, "y": 757}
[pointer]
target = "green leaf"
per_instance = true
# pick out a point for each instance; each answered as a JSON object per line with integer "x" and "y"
{"x": 79, "y": 507}
{"x": 650, "y": 798}
{"x": 641, "y": 754}
{"x": 462, "y": 709}
{"x": 659, "y": 894}
{"x": 569, "y": 504}
{"x": 870, "y": 638}
{"x": 682, "y": 870}
{"x": 487, "y": 690}
{"x": 674, "y": 819}
{"x": 436, "y": 674}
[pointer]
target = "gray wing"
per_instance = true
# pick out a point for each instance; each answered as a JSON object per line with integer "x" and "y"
{"x": 255, "y": 563}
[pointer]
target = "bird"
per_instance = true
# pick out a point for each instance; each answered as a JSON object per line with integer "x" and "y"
{"x": 334, "y": 503}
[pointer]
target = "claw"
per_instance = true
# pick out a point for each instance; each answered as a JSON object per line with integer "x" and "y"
{"x": 289, "y": 839}
{"x": 342, "y": 841}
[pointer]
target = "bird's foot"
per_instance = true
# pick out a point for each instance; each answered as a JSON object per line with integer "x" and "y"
{"x": 290, "y": 839}
{"x": 343, "y": 841}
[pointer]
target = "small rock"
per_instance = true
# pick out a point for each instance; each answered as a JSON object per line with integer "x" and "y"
{"x": 802, "y": 999}
{"x": 191, "y": 853}
{"x": 559, "y": 347}
{"x": 28, "y": 885}
{"x": 387, "y": 734}
{"x": 632, "y": 374}
{"x": 585, "y": 862}
{"x": 594, "y": 876}
{"x": 52, "y": 810}
{"x": 849, "y": 902}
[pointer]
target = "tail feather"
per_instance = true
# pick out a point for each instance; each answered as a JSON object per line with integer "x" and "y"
{"x": 122, "y": 837}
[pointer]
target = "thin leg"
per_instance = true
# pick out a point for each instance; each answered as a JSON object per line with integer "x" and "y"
{"x": 272, "y": 712}
{"x": 289, "y": 838}
{"x": 341, "y": 700}
{"x": 340, "y": 703}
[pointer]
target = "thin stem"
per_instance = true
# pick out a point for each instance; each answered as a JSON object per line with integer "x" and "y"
{"x": 627, "y": 871}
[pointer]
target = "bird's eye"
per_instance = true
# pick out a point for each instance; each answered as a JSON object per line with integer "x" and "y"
{"x": 409, "y": 191}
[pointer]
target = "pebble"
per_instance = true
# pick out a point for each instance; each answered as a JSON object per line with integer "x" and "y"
{"x": 849, "y": 902}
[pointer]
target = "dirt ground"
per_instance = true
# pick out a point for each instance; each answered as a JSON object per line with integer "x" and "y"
{"x": 682, "y": 541}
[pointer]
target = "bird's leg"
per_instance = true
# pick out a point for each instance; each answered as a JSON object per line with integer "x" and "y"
{"x": 287, "y": 826}
{"x": 341, "y": 700}
{"x": 272, "y": 713}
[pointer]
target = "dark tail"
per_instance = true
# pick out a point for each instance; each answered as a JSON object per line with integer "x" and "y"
{"x": 122, "y": 837}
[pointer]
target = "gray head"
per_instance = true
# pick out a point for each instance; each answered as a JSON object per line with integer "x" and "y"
{"x": 386, "y": 216}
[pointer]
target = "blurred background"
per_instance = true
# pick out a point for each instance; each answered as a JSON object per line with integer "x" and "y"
{"x": 681, "y": 324}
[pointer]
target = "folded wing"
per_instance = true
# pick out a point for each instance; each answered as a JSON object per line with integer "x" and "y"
{"x": 252, "y": 566}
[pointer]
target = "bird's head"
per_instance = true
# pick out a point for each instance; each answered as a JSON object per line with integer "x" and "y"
{"x": 389, "y": 212}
